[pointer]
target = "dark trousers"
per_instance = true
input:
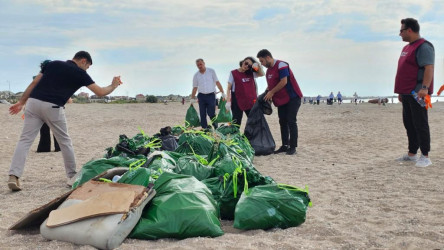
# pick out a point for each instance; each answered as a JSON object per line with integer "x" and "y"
{"x": 287, "y": 120}
{"x": 207, "y": 105}
{"x": 416, "y": 123}
{"x": 45, "y": 140}
{"x": 236, "y": 111}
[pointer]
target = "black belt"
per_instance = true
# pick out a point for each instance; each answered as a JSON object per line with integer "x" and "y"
{"x": 207, "y": 94}
{"x": 57, "y": 107}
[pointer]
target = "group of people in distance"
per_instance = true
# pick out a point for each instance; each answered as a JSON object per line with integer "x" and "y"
{"x": 282, "y": 89}
{"x": 47, "y": 94}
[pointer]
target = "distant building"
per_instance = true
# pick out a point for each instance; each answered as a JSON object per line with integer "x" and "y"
{"x": 84, "y": 95}
{"x": 95, "y": 98}
{"x": 119, "y": 97}
{"x": 140, "y": 98}
{"x": 5, "y": 94}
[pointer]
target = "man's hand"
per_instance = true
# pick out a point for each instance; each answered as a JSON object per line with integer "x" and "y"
{"x": 116, "y": 81}
{"x": 193, "y": 100}
{"x": 16, "y": 108}
{"x": 422, "y": 93}
{"x": 227, "y": 107}
{"x": 224, "y": 96}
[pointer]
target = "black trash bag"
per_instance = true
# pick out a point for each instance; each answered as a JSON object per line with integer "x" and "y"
{"x": 129, "y": 147}
{"x": 257, "y": 130}
{"x": 169, "y": 141}
{"x": 265, "y": 106}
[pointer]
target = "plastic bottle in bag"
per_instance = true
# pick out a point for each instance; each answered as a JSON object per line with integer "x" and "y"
{"x": 116, "y": 178}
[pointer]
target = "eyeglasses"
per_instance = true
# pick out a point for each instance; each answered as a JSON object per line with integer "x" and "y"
{"x": 401, "y": 30}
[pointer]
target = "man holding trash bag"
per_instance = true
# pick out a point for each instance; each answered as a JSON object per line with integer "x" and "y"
{"x": 45, "y": 98}
{"x": 205, "y": 82}
{"x": 286, "y": 95}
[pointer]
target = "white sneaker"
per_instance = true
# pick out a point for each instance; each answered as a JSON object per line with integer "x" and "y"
{"x": 423, "y": 162}
{"x": 407, "y": 157}
{"x": 70, "y": 181}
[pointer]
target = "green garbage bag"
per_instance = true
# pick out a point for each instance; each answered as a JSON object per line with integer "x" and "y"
{"x": 224, "y": 115}
{"x": 140, "y": 144}
{"x": 215, "y": 185}
{"x": 241, "y": 145}
{"x": 183, "y": 207}
{"x": 174, "y": 155}
{"x": 233, "y": 186}
{"x": 95, "y": 167}
{"x": 191, "y": 165}
{"x": 177, "y": 130}
{"x": 161, "y": 162}
{"x": 139, "y": 176}
{"x": 199, "y": 144}
{"x": 230, "y": 162}
{"x": 228, "y": 129}
{"x": 270, "y": 206}
{"x": 192, "y": 118}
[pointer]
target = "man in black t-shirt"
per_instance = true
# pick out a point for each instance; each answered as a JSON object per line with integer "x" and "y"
{"x": 45, "y": 98}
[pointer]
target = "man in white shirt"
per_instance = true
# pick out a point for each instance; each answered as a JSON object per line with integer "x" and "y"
{"x": 205, "y": 81}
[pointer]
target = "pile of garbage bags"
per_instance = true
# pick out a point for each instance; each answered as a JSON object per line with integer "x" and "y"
{"x": 200, "y": 177}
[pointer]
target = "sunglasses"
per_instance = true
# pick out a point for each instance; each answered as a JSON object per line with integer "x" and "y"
{"x": 246, "y": 63}
{"x": 401, "y": 30}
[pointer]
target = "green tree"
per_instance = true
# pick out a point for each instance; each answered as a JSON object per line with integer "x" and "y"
{"x": 151, "y": 99}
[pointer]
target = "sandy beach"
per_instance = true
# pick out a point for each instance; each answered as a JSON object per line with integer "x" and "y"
{"x": 362, "y": 198}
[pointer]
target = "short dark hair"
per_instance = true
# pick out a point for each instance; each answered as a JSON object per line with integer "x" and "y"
{"x": 83, "y": 55}
{"x": 248, "y": 57}
{"x": 44, "y": 63}
{"x": 199, "y": 59}
{"x": 411, "y": 23}
{"x": 264, "y": 53}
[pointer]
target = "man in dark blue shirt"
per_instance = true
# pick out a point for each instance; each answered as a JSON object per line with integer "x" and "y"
{"x": 45, "y": 98}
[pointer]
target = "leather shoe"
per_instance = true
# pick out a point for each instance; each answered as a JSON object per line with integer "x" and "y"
{"x": 282, "y": 149}
{"x": 291, "y": 151}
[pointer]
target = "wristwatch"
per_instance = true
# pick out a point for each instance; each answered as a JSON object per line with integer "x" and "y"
{"x": 424, "y": 87}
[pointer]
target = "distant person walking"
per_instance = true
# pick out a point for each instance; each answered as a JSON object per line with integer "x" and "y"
{"x": 330, "y": 98}
{"x": 318, "y": 99}
{"x": 205, "y": 82}
{"x": 339, "y": 96}
{"x": 415, "y": 73}
{"x": 242, "y": 88}
{"x": 284, "y": 91}
{"x": 45, "y": 98}
{"x": 355, "y": 98}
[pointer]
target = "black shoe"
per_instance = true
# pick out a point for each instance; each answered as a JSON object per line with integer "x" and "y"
{"x": 291, "y": 151}
{"x": 282, "y": 149}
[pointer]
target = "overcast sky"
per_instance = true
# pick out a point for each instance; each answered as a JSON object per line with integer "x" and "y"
{"x": 331, "y": 45}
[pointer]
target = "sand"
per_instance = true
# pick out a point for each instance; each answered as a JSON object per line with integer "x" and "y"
{"x": 361, "y": 197}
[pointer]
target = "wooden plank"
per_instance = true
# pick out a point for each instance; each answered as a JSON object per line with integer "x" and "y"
{"x": 114, "y": 202}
